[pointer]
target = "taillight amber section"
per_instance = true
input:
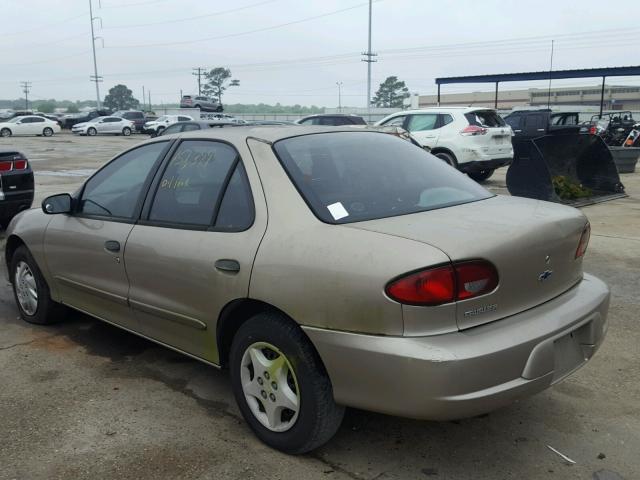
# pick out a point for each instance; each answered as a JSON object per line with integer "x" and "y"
{"x": 584, "y": 241}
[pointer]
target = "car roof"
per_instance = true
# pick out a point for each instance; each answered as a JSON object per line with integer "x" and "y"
{"x": 442, "y": 110}
{"x": 332, "y": 115}
{"x": 269, "y": 133}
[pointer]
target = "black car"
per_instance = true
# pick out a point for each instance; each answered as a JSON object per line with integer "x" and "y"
{"x": 336, "y": 119}
{"x": 69, "y": 121}
{"x": 536, "y": 123}
{"x": 16, "y": 185}
{"x": 135, "y": 116}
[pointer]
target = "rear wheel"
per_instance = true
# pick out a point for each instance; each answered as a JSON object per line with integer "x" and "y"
{"x": 92, "y": 132}
{"x": 47, "y": 132}
{"x": 481, "y": 175}
{"x": 126, "y": 131}
{"x": 31, "y": 290}
{"x": 447, "y": 158}
{"x": 5, "y": 132}
{"x": 281, "y": 385}
{"x": 196, "y": 106}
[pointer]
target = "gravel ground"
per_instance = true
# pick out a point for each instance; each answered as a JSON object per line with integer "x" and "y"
{"x": 84, "y": 399}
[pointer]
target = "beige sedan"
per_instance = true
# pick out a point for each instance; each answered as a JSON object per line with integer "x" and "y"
{"x": 325, "y": 267}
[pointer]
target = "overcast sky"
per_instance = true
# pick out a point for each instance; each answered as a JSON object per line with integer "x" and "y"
{"x": 294, "y": 51}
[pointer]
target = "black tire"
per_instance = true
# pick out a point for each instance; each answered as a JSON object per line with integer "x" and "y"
{"x": 220, "y": 109}
{"x": 159, "y": 130}
{"x": 482, "y": 175}
{"x": 447, "y": 158}
{"x": 47, "y": 132}
{"x": 47, "y": 310}
{"x": 196, "y": 106}
{"x": 319, "y": 417}
{"x": 126, "y": 131}
{"x": 5, "y": 132}
{"x": 92, "y": 132}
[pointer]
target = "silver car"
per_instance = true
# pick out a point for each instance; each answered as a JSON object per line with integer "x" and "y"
{"x": 205, "y": 104}
{"x": 104, "y": 125}
{"x": 324, "y": 267}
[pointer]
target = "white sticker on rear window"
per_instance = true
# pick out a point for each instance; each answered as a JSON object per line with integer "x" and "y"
{"x": 337, "y": 211}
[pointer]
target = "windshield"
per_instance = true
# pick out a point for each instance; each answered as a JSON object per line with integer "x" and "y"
{"x": 353, "y": 176}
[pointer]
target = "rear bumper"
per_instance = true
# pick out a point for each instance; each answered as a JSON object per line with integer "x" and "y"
{"x": 479, "y": 165}
{"x": 13, "y": 202}
{"x": 469, "y": 372}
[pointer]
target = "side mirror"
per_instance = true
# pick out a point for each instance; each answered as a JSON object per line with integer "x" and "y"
{"x": 54, "y": 204}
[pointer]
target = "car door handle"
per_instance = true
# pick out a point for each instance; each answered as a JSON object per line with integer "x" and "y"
{"x": 112, "y": 246}
{"x": 226, "y": 265}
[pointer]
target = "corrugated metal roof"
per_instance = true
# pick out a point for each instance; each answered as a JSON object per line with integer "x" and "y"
{"x": 553, "y": 75}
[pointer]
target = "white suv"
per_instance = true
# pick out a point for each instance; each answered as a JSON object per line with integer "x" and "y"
{"x": 475, "y": 140}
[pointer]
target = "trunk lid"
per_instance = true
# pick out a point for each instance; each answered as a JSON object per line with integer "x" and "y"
{"x": 531, "y": 243}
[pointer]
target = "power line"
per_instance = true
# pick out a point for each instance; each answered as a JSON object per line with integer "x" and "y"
{"x": 187, "y": 19}
{"x": 42, "y": 27}
{"x": 237, "y": 34}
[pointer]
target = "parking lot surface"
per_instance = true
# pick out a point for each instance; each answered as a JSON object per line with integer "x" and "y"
{"x": 83, "y": 399}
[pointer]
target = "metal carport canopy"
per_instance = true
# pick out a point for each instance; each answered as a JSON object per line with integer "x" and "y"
{"x": 548, "y": 75}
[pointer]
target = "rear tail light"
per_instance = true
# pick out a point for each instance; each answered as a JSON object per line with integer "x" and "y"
{"x": 473, "y": 130}
{"x": 6, "y": 166}
{"x": 584, "y": 241}
{"x": 445, "y": 284}
{"x": 20, "y": 164}
{"x": 593, "y": 130}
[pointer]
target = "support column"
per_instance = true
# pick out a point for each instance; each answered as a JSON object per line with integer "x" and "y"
{"x": 495, "y": 105}
{"x": 602, "y": 97}
{"x": 438, "y": 95}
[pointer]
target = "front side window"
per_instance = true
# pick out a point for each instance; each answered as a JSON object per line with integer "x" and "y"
{"x": 188, "y": 127}
{"x": 115, "y": 190}
{"x": 422, "y": 122}
{"x": 172, "y": 129}
{"x": 192, "y": 182}
{"x": 37, "y": 119}
{"x": 353, "y": 176}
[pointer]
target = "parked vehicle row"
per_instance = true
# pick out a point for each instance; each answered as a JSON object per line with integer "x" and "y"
{"x": 442, "y": 328}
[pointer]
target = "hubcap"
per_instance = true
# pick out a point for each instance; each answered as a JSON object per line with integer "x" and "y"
{"x": 270, "y": 386}
{"x": 26, "y": 288}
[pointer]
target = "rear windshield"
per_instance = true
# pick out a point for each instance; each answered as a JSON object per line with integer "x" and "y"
{"x": 485, "y": 118}
{"x": 354, "y": 176}
{"x": 186, "y": 97}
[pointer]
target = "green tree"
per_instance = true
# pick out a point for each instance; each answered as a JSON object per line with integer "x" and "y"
{"x": 120, "y": 98}
{"x": 391, "y": 94}
{"x": 216, "y": 82}
{"x": 47, "y": 106}
{"x": 72, "y": 108}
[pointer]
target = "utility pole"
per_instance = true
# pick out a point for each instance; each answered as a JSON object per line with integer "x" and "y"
{"x": 95, "y": 77}
{"x": 26, "y": 86}
{"x": 143, "y": 107}
{"x": 149, "y": 94}
{"x": 339, "y": 84}
{"x": 369, "y": 59}
{"x": 198, "y": 72}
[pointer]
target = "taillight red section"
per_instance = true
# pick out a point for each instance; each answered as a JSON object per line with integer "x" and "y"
{"x": 584, "y": 241}
{"x": 20, "y": 164}
{"x": 445, "y": 284}
{"x": 593, "y": 130}
{"x": 6, "y": 166}
{"x": 473, "y": 130}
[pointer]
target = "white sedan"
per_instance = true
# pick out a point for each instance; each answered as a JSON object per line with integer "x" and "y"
{"x": 107, "y": 125}
{"x": 159, "y": 124}
{"x": 29, "y": 125}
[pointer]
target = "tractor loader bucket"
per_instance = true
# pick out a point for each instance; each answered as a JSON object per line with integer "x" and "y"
{"x": 571, "y": 168}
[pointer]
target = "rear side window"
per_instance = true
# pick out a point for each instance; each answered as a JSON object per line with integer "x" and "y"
{"x": 192, "y": 183}
{"x": 484, "y": 118}
{"x": 37, "y": 119}
{"x": 236, "y": 210}
{"x": 183, "y": 119}
{"x": 419, "y": 123}
{"x": 190, "y": 126}
{"x": 446, "y": 119}
{"x": 352, "y": 176}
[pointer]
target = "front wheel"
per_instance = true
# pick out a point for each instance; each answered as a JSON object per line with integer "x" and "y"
{"x": 126, "y": 131}
{"x": 31, "y": 291}
{"x": 47, "y": 132}
{"x": 281, "y": 385}
{"x": 481, "y": 175}
{"x": 92, "y": 132}
{"x": 5, "y": 132}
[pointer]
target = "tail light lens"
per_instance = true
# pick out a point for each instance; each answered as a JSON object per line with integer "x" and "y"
{"x": 20, "y": 164}
{"x": 584, "y": 241}
{"x": 6, "y": 166}
{"x": 473, "y": 130}
{"x": 445, "y": 284}
{"x": 593, "y": 130}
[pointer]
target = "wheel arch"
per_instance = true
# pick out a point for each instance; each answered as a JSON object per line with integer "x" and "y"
{"x": 233, "y": 315}
{"x": 13, "y": 243}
